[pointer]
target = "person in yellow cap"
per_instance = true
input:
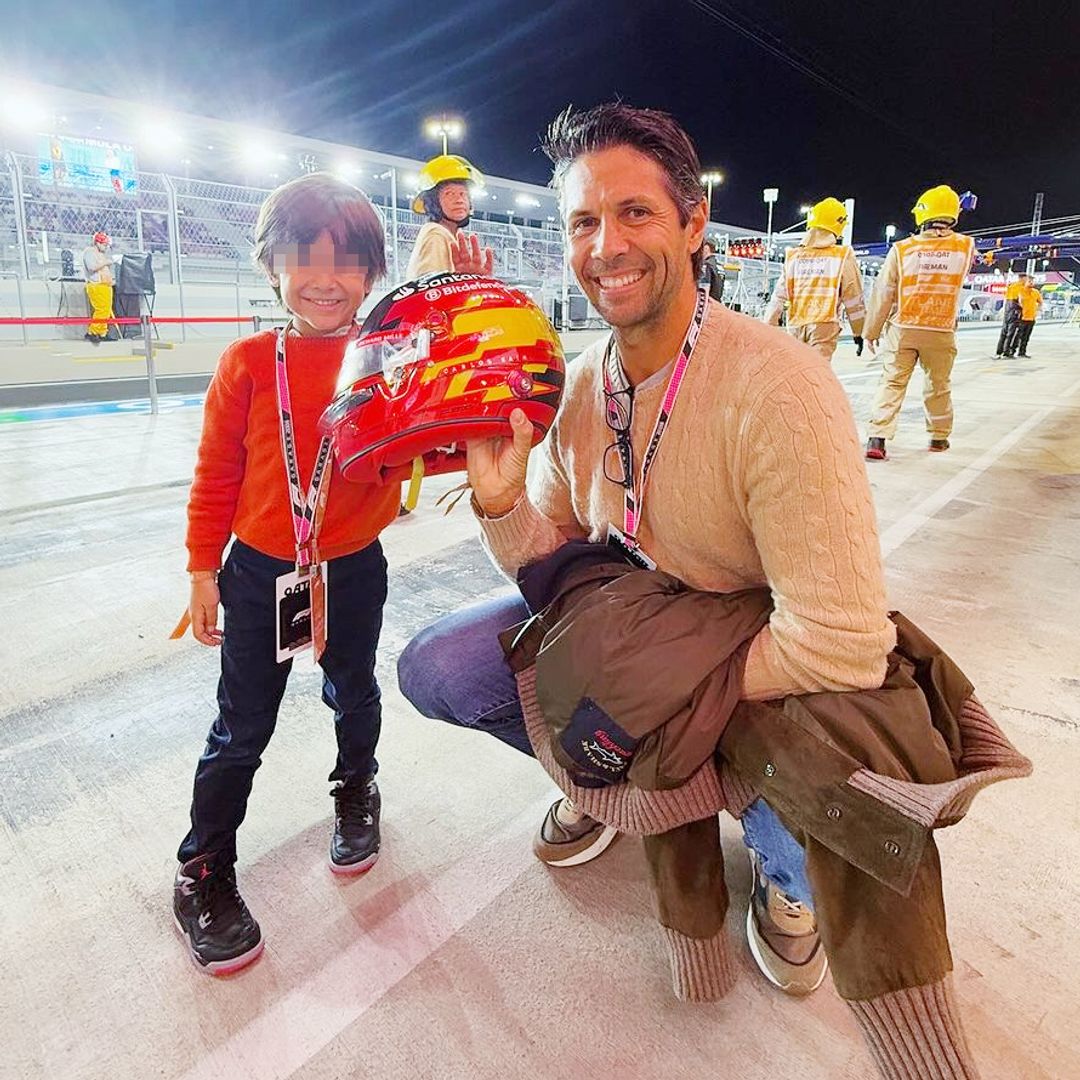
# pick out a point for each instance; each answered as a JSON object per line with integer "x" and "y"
{"x": 915, "y": 302}
{"x": 445, "y": 198}
{"x": 820, "y": 275}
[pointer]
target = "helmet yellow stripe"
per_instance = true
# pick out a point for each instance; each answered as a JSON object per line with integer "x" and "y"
{"x": 500, "y": 328}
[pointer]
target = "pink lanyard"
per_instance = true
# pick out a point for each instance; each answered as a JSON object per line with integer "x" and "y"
{"x": 306, "y": 510}
{"x": 634, "y": 508}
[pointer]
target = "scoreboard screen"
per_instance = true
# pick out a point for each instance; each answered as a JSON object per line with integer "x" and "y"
{"x": 92, "y": 164}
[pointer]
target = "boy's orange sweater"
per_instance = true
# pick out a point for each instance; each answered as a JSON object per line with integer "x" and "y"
{"x": 240, "y": 485}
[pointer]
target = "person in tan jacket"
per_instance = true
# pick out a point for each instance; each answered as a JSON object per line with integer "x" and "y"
{"x": 915, "y": 302}
{"x": 445, "y": 198}
{"x": 820, "y": 275}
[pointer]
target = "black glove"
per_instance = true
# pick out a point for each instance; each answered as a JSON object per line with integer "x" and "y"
{"x": 858, "y": 345}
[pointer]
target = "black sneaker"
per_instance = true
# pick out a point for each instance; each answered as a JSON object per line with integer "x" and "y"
{"x": 92, "y": 338}
{"x": 354, "y": 847}
{"x": 221, "y": 935}
{"x": 875, "y": 449}
{"x": 939, "y": 446}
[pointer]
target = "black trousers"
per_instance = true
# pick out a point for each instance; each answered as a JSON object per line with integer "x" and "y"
{"x": 252, "y": 684}
{"x": 1008, "y": 323}
{"x": 1023, "y": 336}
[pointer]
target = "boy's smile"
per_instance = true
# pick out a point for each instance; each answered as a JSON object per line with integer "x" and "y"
{"x": 321, "y": 286}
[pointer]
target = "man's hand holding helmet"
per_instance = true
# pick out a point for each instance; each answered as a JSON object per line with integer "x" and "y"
{"x": 497, "y": 467}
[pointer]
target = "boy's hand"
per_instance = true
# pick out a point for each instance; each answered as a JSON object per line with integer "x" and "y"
{"x": 497, "y": 467}
{"x": 203, "y": 609}
{"x": 470, "y": 258}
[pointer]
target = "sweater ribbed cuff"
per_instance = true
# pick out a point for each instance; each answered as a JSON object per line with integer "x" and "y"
{"x": 520, "y": 536}
{"x": 702, "y": 969}
{"x": 916, "y": 1034}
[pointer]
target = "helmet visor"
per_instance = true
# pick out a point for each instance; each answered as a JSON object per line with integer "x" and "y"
{"x": 388, "y": 357}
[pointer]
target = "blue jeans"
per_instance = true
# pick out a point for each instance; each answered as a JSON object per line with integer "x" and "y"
{"x": 455, "y": 671}
{"x": 252, "y": 684}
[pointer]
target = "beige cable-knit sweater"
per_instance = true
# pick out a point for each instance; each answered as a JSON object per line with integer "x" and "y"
{"x": 759, "y": 480}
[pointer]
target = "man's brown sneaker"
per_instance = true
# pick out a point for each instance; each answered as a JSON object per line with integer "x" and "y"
{"x": 570, "y": 838}
{"x": 938, "y": 446}
{"x": 783, "y": 938}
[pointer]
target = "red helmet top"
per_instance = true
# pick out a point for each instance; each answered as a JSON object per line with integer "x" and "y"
{"x": 102, "y": 238}
{"x": 439, "y": 362}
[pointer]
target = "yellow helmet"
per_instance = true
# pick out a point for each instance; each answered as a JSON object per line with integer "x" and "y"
{"x": 940, "y": 203}
{"x": 440, "y": 169}
{"x": 829, "y": 214}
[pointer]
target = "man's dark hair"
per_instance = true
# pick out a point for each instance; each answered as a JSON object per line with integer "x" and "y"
{"x": 649, "y": 131}
{"x": 297, "y": 212}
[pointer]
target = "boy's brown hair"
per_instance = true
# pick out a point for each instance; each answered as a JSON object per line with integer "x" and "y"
{"x": 297, "y": 212}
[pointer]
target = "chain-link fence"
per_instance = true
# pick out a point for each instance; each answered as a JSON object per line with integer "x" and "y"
{"x": 9, "y": 237}
{"x": 202, "y": 232}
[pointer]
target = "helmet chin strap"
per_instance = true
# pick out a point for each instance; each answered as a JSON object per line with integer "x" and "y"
{"x": 461, "y": 223}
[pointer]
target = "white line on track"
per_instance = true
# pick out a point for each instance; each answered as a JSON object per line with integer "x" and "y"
{"x": 294, "y": 1029}
{"x": 914, "y": 519}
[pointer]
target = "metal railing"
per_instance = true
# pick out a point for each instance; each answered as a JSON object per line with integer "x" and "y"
{"x": 203, "y": 231}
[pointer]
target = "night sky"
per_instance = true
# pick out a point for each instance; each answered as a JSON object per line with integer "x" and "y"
{"x": 873, "y": 100}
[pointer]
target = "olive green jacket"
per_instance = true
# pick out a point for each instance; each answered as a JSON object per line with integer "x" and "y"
{"x": 861, "y": 778}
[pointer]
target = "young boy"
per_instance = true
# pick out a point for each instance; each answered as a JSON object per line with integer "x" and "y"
{"x": 320, "y": 243}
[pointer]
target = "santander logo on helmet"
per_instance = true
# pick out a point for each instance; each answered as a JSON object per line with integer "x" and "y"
{"x": 439, "y": 362}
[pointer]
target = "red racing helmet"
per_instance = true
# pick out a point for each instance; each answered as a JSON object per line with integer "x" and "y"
{"x": 102, "y": 238}
{"x": 439, "y": 362}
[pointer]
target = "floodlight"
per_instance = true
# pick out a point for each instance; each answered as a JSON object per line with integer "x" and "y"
{"x": 158, "y": 136}
{"x": 20, "y": 109}
{"x": 256, "y": 155}
{"x": 444, "y": 128}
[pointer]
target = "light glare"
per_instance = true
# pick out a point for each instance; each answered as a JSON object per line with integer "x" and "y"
{"x": 19, "y": 109}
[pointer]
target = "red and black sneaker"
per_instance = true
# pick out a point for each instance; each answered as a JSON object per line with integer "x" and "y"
{"x": 354, "y": 847}
{"x": 875, "y": 450}
{"x": 939, "y": 446}
{"x": 220, "y": 932}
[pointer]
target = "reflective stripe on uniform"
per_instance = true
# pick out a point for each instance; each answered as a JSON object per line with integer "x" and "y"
{"x": 932, "y": 272}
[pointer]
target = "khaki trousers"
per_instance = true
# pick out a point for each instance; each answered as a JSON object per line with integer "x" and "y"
{"x": 100, "y": 296}
{"x": 821, "y": 336}
{"x": 903, "y": 348}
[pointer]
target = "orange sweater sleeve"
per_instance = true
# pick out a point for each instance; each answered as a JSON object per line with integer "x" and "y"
{"x": 219, "y": 467}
